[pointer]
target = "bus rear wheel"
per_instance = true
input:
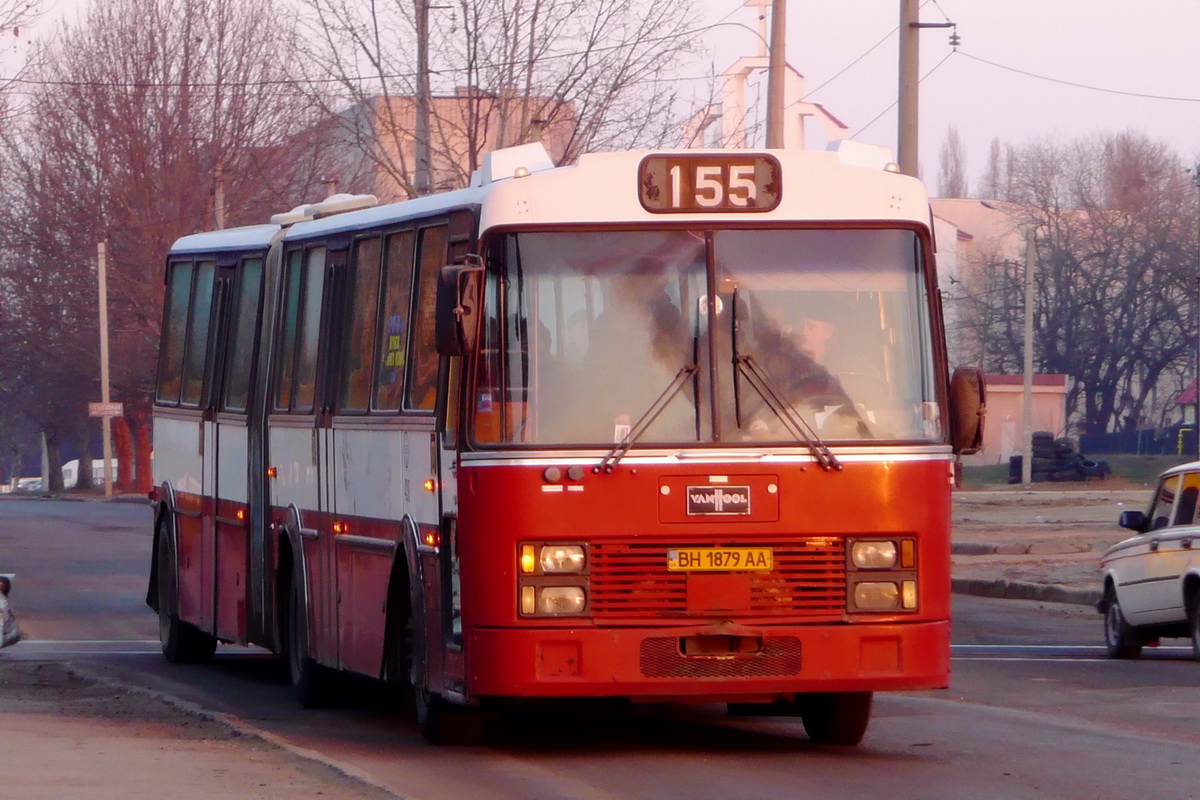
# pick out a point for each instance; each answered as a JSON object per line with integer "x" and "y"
{"x": 836, "y": 718}
{"x": 182, "y": 642}
{"x": 310, "y": 681}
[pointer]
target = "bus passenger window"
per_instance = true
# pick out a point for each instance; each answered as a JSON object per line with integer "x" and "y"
{"x": 422, "y": 390}
{"x": 170, "y": 373}
{"x": 357, "y": 366}
{"x": 393, "y": 322}
{"x": 306, "y": 361}
{"x": 285, "y": 358}
{"x": 197, "y": 340}
{"x": 241, "y": 357}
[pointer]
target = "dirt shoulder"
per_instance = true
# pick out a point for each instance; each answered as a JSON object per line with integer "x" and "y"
{"x": 64, "y": 734}
{"x": 1049, "y": 537}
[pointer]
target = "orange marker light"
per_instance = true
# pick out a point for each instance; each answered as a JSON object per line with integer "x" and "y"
{"x": 528, "y": 559}
{"x": 340, "y": 527}
{"x": 432, "y": 539}
{"x": 271, "y": 472}
{"x": 241, "y": 515}
{"x": 430, "y": 484}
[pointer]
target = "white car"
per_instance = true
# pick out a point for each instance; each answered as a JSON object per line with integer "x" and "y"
{"x": 1152, "y": 579}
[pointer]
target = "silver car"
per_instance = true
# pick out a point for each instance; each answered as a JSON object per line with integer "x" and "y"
{"x": 1152, "y": 579}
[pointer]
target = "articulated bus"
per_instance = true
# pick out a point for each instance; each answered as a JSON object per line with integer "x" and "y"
{"x": 655, "y": 427}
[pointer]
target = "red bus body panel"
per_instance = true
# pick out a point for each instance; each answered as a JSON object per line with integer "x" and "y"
{"x": 633, "y": 648}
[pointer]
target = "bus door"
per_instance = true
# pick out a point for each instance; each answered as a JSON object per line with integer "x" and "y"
{"x": 212, "y": 508}
{"x": 328, "y": 589}
{"x": 228, "y": 466}
{"x": 295, "y": 438}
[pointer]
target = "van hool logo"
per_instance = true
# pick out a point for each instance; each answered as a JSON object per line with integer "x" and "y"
{"x": 718, "y": 500}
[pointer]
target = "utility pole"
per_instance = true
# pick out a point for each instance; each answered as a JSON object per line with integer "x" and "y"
{"x": 907, "y": 140}
{"x": 85, "y": 462}
{"x": 776, "y": 74}
{"x": 1027, "y": 399}
{"x": 421, "y": 134}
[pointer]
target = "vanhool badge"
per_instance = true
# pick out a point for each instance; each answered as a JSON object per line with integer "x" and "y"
{"x": 718, "y": 500}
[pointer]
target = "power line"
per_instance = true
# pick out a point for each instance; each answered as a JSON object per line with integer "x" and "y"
{"x": 1076, "y": 85}
{"x": 897, "y": 102}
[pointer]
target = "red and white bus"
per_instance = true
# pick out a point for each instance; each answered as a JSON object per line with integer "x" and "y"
{"x": 668, "y": 427}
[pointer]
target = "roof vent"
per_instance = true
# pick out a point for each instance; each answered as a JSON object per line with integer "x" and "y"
{"x": 341, "y": 203}
{"x": 515, "y": 162}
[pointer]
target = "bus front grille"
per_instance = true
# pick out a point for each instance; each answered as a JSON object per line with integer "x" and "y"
{"x": 630, "y": 579}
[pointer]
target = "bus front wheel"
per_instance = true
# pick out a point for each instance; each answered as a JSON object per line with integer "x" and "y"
{"x": 836, "y": 718}
{"x": 443, "y": 723}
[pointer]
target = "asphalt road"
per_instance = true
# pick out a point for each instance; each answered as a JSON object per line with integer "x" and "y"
{"x": 1034, "y": 710}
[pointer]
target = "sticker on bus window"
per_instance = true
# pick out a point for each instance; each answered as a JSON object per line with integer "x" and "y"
{"x": 485, "y": 402}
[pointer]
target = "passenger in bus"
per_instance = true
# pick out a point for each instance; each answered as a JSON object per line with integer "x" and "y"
{"x": 639, "y": 343}
{"x": 794, "y": 355}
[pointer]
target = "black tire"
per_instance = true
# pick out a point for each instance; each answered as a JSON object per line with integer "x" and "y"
{"x": 310, "y": 680}
{"x": 1120, "y": 638}
{"x": 838, "y": 718}
{"x": 182, "y": 642}
{"x": 445, "y": 724}
{"x": 1194, "y": 624}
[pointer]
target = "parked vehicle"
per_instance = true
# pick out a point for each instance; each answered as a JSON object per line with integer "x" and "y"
{"x": 1152, "y": 579}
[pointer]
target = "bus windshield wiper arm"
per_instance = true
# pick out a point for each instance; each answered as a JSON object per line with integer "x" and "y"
{"x": 619, "y": 450}
{"x": 790, "y": 417}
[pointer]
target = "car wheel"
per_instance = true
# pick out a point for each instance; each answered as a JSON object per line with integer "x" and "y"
{"x": 836, "y": 718}
{"x": 1120, "y": 639}
{"x": 1194, "y": 624}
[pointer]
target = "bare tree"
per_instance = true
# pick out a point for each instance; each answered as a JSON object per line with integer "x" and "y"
{"x": 134, "y": 117}
{"x": 1114, "y": 225}
{"x": 952, "y": 169}
{"x": 577, "y": 74}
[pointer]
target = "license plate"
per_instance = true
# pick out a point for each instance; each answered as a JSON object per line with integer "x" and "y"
{"x": 720, "y": 559}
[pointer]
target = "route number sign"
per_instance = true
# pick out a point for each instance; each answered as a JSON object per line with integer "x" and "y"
{"x": 689, "y": 184}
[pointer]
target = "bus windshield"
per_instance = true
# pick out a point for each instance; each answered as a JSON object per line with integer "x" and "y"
{"x": 817, "y": 333}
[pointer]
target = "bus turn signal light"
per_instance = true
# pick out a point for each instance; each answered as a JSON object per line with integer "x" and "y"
{"x": 272, "y": 472}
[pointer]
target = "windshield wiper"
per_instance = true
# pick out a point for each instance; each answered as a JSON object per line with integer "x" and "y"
{"x": 789, "y": 416}
{"x": 797, "y": 426}
{"x": 610, "y": 460}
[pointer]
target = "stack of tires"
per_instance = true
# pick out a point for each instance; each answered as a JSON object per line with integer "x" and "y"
{"x": 1056, "y": 460}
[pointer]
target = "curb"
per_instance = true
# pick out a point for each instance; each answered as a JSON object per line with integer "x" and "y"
{"x": 1020, "y": 590}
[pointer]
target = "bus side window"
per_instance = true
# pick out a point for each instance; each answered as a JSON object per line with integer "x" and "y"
{"x": 174, "y": 332}
{"x": 306, "y": 356}
{"x": 393, "y": 321}
{"x": 357, "y": 366}
{"x": 288, "y": 321}
{"x": 423, "y": 356}
{"x": 195, "y": 357}
{"x": 241, "y": 353}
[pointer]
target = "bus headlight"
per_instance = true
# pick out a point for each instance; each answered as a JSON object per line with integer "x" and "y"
{"x": 877, "y": 596}
{"x": 553, "y": 601}
{"x": 562, "y": 558}
{"x": 873, "y": 554}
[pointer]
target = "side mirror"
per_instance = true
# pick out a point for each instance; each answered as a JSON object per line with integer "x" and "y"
{"x": 968, "y": 404}
{"x": 457, "y": 306}
{"x": 1134, "y": 520}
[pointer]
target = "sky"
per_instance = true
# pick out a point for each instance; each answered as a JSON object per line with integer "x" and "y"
{"x": 1141, "y": 59}
{"x": 1123, "y": 47}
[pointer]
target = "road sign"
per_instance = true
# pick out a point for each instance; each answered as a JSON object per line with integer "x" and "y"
{"x": 106, "y": 409}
